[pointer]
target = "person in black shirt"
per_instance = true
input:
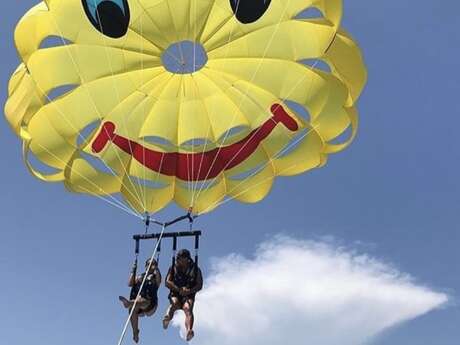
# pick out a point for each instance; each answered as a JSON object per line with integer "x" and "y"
{"x": 184, "y": 280}
{"x": 147, "y": 301}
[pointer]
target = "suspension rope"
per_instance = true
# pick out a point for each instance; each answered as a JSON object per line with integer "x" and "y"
{"x": 84, "y": 86}
{"x": 244, "y": 96}
{"x": 219, "y": 203}
{"x": 114, "y": 202}
{"x": 196, "y": 194}
{"x": 81, "y": 137}
{"x": 141, "y": 198}
{"x": 143, "y": 151}
{"x": 292, "y": 144}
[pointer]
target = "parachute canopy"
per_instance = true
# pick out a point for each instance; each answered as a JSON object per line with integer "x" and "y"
{"x": 192, "y": 101}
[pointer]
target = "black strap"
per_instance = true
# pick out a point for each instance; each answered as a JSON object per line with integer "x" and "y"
{"x": 177, "y": 220}
{"x": 158, "y": 251}
{"x": 136, "y": 251}
{"x": 173, "y": 267}
{"x": 137, "y": 247}
{"x": 197, "y": 248}
{"x": 148, "y": 220}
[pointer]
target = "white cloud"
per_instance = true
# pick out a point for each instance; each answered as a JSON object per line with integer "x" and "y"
{"x": 296, "y": 292}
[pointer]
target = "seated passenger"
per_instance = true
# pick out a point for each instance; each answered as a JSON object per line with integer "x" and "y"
{"x": 184, "y": 280}
{"x": 147, "y": 302}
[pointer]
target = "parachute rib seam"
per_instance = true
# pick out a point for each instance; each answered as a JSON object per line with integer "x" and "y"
{"x": 262, "y": 145}
{"x": 218, "y": 28}
{"x": 317, "y": 72}
{"x": 245, "y": 35}
{"x": 106, "y": 77}
{"x": 156, "y": 45}
{"x": 154, "y": 23}
{"x": 125, "y": 172}
{"x": 101, "y": 118}
{"x": 130, "y": 160}
{"x": 199, "y": 34}
{"x": 210, "y": 128}
{"x": 158, "y": 98}
{"x": 123, "y": 49}
{"x": 231, "y": 100}
{"x": 220, "y": 147}
{"x": 64, "y": 172}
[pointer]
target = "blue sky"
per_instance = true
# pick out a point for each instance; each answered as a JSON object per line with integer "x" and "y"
{"x": 393, "y": 195}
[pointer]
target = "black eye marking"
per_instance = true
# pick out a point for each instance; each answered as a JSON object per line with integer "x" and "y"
{"x": 249, "y": 11}
{"x": 110, "y": 17}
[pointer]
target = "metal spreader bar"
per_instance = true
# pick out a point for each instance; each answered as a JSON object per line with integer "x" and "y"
{"x": 167, "y": 235}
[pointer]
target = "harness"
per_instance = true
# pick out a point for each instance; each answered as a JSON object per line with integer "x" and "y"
{"x": 181, "y": 279}
{"x": 185, "y": 279}
{"x": 149, "y": 290}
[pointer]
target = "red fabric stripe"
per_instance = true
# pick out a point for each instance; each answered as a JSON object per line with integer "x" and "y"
{"x": 205, "y": 165}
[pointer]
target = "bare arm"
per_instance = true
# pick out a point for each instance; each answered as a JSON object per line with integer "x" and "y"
{"x": 132, "y": 276}
{"x": 170, "y": 282}
{"x": 158, "y": 277}
{"x": 198, "y": 284}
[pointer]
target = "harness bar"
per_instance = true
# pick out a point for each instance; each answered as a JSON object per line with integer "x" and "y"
{"x": 167, "y": 235}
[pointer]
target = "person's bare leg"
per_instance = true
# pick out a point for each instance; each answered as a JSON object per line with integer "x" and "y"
{"x": 126, "y": 303}
{"x": 141, "y": 304}
{"x": 174, "y": 306}
{"x": 130, "y": 303}
{"x": 189, "y": 319}
{"x": 135, "y": 324}
{"x": 152, "y": 311}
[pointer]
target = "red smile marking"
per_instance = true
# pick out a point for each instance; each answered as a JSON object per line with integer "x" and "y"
{"x": 205, "y": 165}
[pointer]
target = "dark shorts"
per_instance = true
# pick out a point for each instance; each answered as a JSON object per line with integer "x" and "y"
{"x": 152, "y": 305}
{"x": 182, "y": 299}
{"x": 153, "y": 299}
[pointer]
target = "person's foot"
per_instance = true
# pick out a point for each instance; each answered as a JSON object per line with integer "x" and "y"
{"x": 166, "y": 321}
{"x": 190, "y": 335}
{"x": 136, "y": 336}
{"x": 125, "y": 302}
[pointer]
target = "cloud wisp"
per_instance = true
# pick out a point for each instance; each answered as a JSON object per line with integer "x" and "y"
{"x": 304, "y": 292}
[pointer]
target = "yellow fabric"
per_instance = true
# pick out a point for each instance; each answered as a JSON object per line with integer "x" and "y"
{"x": 250, "y": 67}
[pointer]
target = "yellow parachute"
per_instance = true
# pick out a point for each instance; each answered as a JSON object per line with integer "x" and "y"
{"x": 132, "y": 95}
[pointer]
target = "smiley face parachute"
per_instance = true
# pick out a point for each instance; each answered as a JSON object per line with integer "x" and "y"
{"x": 192, "y": 101}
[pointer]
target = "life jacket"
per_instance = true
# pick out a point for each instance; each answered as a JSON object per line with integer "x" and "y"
{"x": 185, "y": 279}
{"x": 149, "y": 290}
